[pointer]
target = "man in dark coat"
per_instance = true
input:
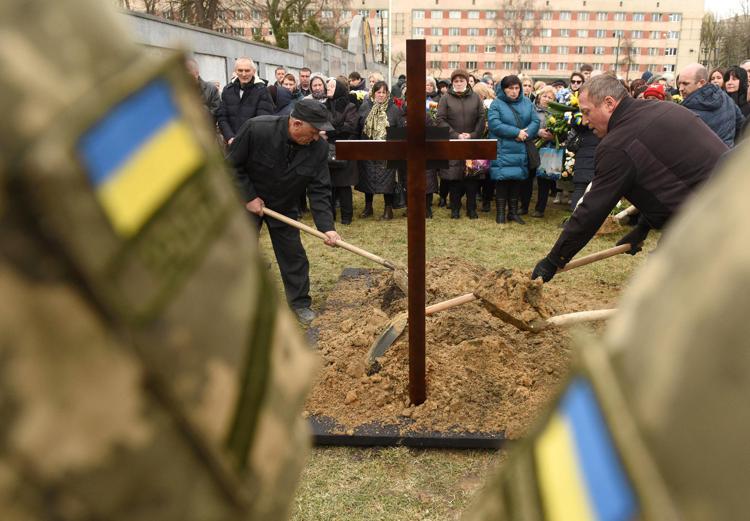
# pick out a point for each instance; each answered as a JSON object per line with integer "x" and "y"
{"x": 637, "y": 160}
{"x": 710, "y": 103}
{"x": 276, "y": 159}
{"x": 242, "y": 99}
{"x": 209, "y": 92}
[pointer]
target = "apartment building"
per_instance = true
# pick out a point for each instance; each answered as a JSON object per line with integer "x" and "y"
{"x": 544, "y": 38}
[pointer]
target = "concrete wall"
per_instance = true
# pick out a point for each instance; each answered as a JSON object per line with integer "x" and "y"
{"x": 216, "y": 52}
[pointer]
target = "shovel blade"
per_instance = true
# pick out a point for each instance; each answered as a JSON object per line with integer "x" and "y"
{"x": 390, "y": 334}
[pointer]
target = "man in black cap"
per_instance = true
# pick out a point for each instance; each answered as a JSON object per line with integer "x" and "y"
{"x": 275, "y": 160}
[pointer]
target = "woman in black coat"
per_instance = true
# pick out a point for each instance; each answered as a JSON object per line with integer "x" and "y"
{"x": 345, "y": 121}
{"x": 377, "y": 113}
{"x": 736, "y": 84}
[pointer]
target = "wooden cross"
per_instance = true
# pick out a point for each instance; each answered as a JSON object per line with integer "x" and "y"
{"x": 415, "y": 150}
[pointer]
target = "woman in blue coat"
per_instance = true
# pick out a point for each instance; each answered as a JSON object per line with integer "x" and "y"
{"x": 512, "y": 121}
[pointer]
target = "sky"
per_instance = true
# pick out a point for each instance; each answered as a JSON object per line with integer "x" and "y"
{"x": 723, "y": 7}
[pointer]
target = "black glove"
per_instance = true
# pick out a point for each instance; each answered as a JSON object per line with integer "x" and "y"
{"x": 635, "y": 238}
{"x": 545, "y": 269}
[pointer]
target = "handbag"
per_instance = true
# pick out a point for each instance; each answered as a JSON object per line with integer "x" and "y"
{"x": 532, "y": 153}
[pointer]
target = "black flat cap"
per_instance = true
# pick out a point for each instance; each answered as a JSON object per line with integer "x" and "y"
{"x": 312, "y": 112}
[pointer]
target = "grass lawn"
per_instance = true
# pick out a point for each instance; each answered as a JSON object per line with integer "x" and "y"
{"x": 399, "y": 483}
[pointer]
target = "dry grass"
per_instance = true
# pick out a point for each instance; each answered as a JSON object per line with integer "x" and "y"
{"x": 398, "y": 483}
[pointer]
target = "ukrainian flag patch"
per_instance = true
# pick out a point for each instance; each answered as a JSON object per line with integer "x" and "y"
{"x": 138, "y": 155}
{"x": 580, "y": 475}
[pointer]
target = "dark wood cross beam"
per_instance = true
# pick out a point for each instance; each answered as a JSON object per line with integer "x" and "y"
{"x": 416, "y": 149}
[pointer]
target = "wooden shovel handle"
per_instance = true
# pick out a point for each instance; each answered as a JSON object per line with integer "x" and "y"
{"x": 447, "y": 304}
{"x": 317, "y": 233}
{"x": 588, "y": 259}
{"x": 581, "y": 316}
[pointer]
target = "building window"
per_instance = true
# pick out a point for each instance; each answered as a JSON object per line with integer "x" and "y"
{"x": 437, "y": 14}
{"x": 635, "y": 51}
{"x": 436, "y": 47}
{"x": 364, "y": 13}
{"x": 454, "y": 15}
{"x": 545, "y": 49}
{"x": 675, "y": 17}
{"x": 490, "y": 15}
{"x": 239, "y": 15}
{"x": 669, "y": 67}
{"x": 639, "y": 17}
{"x": 526, "y": 49}
{"x": 435, "y": 64}
{"x": 453, "y": 65}
{"x": 601, "y": 16}
{"x": 653, "y": 51}
{"x": 509, "y": 49}
{"x": 564, "y": 33}
{"x": 673, "y": 35}
{"x": 543, "y": 66}
{"x": 507, "y": 65}
{"x": 417, "y": 31}
{"x": 561, "y": 66}
{"x": 637, "y": 35}
{"x": 601, "y": 33}
{"x": 454, "y": 47}
{"x": 528, "y": 15}
{"x": 473, "y": 15}
{"x": 564, "y": 15}
{"x": 620, "y": 17}
{"x": 525, "y": 66}
{"x": 562, "y": 49}
{"x": 655, "y": 35}
{"x": 599, "y": 50}
{"x": 326, "y": 13}
{"x": 491, "y": 31}
{"x": 398, "y": 24}
{"x": 547, "y": 15}
{"x": 490, "y": 48}
{"x": 472, "y": 31}
{"x": 583, "y": 16}
{"x": 436, "y": 31}
{"x": 670, "y": 51}
{"x": 656, "y": 17}
{"x": 634, "y": 67}
{"x": 582, "y": 33}
{"x": 471, "y": 48}
{"x": 580, "y": 49}
{"x": 256, "y": 14}
{"x": 238, "y": 31}
{"x": 454, "y": 31}
{"x": 545, "y": 33}
{"x": 598, "y": 66}
{"x": 508, "y": 31}
{"x": 417, "y": 14}
{"x": 619, "y": 33}
{"x": 489, "y": 65}
{"x": 472, "y": 65}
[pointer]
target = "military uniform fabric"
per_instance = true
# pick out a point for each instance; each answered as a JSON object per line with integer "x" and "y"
{"x": 147, "y": 368}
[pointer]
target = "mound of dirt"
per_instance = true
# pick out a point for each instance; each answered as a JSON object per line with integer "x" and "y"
{"x": 483, "y": 374}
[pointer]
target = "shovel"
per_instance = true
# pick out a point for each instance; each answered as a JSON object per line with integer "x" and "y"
{"x": 400, "y": 276}
{"x": 396, "y": 326}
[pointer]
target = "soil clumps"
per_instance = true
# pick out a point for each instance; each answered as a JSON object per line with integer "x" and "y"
{"x": 483, "y": 374}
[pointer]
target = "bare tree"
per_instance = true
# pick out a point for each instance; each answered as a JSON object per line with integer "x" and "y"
{"x": 627, "y": 55}
{"x": 711, "y": 34}
{"x": 735, "y": 37}
{"x": 396, "y": 60}
{"x": 518, "y": 25}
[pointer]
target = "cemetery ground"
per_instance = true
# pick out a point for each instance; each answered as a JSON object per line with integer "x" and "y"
{"x": 341, "y": 483}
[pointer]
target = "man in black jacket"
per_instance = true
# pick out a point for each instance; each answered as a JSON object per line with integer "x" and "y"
{"x": 655, "y": 154}
{"x": 276, "y": 159}
{"x": 242, "y": 99}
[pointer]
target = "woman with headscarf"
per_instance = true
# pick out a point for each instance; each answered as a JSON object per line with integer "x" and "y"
{"x": 318, "y": 88}
{"x": 735, "y": 84}
{"x": 462, "y": 112}
{"x": 345, "y": 120}
{"x": 512, "y": 121}
{"x": 377, "y": 113}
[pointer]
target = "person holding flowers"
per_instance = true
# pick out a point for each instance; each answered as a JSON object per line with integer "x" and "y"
{"x": 512, "y": 121}
{"x": 546, "y": 139}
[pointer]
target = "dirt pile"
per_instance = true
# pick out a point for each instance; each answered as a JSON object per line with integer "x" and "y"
{"x": 483, "y": 375}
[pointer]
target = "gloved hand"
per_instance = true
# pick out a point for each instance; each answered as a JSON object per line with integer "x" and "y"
{"x": 544, "y": 269}
{"x": 635, "y": 238}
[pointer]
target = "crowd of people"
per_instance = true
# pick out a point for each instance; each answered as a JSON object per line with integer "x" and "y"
{"x": 515, "y": 111}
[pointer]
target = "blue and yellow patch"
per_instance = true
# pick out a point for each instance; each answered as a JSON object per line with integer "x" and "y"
{"x": 138, "y": 155}
{"x": 579, "y": 472}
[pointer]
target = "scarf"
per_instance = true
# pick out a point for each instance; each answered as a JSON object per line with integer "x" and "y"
{"x": 463, "y": 94}
{"x": 377, "y": 121}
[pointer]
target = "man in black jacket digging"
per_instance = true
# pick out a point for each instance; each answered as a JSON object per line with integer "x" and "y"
{"x": 275, "y": 160}
{"x": 654, "y": 154}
